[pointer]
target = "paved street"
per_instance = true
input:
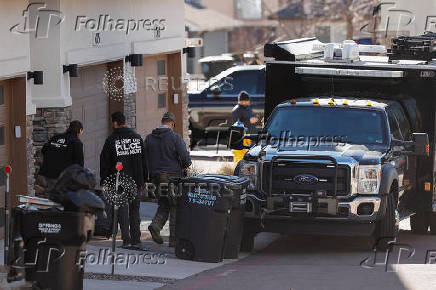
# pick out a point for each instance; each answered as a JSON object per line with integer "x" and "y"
{"x": 278, "y": 262}
{"x": 322, "y": 263}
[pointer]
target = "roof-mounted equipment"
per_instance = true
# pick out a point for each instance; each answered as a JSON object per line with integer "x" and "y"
{"x": 422, "y": 47}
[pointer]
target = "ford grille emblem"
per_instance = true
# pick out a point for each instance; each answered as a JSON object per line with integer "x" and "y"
{"x": 305, "y": 179}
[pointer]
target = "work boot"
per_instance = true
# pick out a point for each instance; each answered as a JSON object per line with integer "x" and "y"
{"x": 155, "y": 234}
{"x": 139, "y": 246}
{"x": 125, "y": 245}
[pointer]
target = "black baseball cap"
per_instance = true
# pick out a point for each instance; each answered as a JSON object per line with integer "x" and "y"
{"x": 243, "y": 96}
{"x": 168, "y": 117}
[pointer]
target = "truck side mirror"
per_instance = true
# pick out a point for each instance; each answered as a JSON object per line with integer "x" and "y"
{"x": 421, "y": 144}
{"x": 236, "y": 137}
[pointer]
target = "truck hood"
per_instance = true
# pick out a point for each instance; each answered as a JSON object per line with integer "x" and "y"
{"x": 348, "y": 153}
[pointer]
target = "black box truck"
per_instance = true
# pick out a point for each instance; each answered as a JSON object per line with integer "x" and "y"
{"x": 348, "y": 148}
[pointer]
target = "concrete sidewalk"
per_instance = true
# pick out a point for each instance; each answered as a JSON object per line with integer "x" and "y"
{"x": 138, "y": 269}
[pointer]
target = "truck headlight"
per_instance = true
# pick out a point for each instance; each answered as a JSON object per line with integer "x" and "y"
{"x": 249, "y": 170}
{"x": 369, "y": 179}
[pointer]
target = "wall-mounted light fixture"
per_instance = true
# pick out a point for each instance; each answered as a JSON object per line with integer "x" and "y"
{"x": 72, "y": 69}
{"x": 135, "y": 59}
{"x": 190, "y": 51}
{"x": 37, "y": 76}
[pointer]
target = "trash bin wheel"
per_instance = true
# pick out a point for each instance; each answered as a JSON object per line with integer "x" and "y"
{"x": 185, "y": 249}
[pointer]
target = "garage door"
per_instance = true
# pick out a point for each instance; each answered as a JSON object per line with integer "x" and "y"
{"x": 151, "y": 98}
{"x": 4, "y": 132}
{"x": 91, "y": 107}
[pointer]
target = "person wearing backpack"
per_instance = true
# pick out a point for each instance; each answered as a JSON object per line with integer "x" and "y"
{"x": 167, "y": 158}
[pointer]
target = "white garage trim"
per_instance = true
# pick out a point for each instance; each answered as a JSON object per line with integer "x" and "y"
{"x": 96, "y": 55}
{"x": 158, "y": 46}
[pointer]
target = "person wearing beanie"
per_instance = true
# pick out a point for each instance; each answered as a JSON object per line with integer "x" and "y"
{"x": 242, "y": 112}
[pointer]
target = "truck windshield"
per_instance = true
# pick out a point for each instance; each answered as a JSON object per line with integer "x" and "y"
{"x": 350, "y": 125}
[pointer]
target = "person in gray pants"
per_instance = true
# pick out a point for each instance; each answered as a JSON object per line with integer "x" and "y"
{"x": 167, "y": 158}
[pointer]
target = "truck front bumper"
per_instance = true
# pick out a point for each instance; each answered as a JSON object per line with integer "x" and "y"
{"x": 350, "y": 219}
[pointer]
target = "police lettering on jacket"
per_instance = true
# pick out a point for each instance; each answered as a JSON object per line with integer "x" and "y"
{"x": 128, "y": 147}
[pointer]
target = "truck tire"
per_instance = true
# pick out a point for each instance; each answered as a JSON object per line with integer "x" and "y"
{"x": 433, "y": 223}
{"x": 419, "y": 223}
{"x": 387, "y": 228}
{"x": 247, "y": 242}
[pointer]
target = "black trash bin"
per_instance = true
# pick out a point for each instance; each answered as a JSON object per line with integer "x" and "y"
{"x": 48, "y": 237}
{"x": 53, "y": 246}
{"x": 205, "y": 230}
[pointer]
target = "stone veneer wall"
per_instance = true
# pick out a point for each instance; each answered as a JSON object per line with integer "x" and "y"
{"x": 185, "y": 114}
{"x": 130, "y": 111}
{"x": 46, "y": 123}
{"x": 30, "y": 151}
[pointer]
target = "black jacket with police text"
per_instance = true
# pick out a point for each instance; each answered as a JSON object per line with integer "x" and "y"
{"x": 127, "y": 147}
{"x": 60, "y": 152}
{"x": 166, "y": 151}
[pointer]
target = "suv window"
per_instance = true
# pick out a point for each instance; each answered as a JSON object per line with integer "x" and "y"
{"x": 239, "y": 81}
{"x": 403, "y": 123}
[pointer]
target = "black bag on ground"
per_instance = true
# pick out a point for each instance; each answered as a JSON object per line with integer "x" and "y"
{"x": 72, "y": 190}
{"x": 74, "y": 178}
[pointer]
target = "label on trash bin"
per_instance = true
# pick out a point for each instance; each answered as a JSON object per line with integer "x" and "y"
{"x": 202, "y": 198}
{"x": 48, "y": 228}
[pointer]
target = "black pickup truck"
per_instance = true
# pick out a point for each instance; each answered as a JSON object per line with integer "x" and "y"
{"x": 346, "y": 149}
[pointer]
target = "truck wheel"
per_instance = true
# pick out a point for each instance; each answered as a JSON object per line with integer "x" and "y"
{"x": 247, "y": 242}
{"x": 433, "y": 223}
{"x": 419, "y": 223}
{"x": 387, "y": 227}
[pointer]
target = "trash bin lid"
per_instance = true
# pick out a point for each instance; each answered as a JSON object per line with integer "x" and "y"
{"x": 231, "y": 181}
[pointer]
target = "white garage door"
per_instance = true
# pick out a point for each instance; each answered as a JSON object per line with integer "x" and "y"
{"x": 91, "y": 107}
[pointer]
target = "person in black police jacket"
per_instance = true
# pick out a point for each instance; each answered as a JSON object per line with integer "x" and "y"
{"x": 60, "y": 152}
{"x": 133, "y": 158}
{"x": 168, "y": 157}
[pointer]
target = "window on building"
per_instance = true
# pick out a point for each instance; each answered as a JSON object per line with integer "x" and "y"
{"x": 161, "y": 67}
{"x": 2, "y": 136}
{"x": 248, "y": 9}
{"x": 2, "y": 101}
{"x": 194, "y": 2}
{"x": 162, "y": 100}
